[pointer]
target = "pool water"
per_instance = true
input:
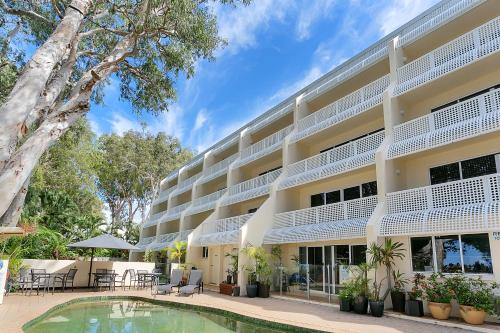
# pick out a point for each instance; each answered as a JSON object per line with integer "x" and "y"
{"x": 130, "y": 316}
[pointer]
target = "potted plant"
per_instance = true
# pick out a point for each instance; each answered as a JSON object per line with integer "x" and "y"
{"x": 475, "y": 298}
{"x": 360, "y": 294}
{"x": 375, "y": 301}
{"x": 414, "y": 305}
{"x": 261, "y": 269}
{"x": 438, "y": 294}
{"x": 252, "y": 284}
{"x": 233, "y": 266}
{"x": 398, "y": 295}
{"x": 346, "y": 295}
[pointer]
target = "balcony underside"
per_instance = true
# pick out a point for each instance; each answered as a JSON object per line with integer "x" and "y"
{"x": 247, "y": 195}
{"x": 330, "y": 170}
{"x": 469, "y": 218}
{"x": 471, "y": 128}
{"x": 218, "y": 238}
{"x": 329, "y": 231}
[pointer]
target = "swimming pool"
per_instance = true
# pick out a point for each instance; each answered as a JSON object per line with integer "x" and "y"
{"x": 139, "y": 316}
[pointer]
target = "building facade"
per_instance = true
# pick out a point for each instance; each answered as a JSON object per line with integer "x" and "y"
{"x": 401, "y": 141}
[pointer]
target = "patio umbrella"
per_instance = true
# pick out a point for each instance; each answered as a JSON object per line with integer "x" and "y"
{"x": 105, "y": 241}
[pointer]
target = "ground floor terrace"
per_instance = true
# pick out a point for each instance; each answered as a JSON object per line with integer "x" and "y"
{"x": 17, "y": 310}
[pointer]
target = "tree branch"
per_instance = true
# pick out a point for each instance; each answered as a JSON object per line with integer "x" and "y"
{"x": 26, "y": 13}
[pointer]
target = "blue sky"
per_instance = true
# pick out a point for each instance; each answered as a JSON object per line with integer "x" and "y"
{"x": 276, "y": 47}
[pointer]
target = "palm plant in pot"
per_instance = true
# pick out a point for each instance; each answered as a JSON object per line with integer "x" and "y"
{"x": 346, "y": 295}
{"x": 398, "y": 294}
{"x": 438, "y": 293}
{"x": 475, "y": 298}
{"x": 233, "y": 266}
{"x": 260, "y": 267}
{"x": 414, "y": 305}
{"x": 360, "y": 294}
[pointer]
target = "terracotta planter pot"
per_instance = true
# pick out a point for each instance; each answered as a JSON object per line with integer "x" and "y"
{"x": 440, "y": 311}
{"x": 471, "y": 315}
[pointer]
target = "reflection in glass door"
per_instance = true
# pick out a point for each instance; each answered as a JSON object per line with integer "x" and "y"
{"x": 315, "y": 261}
{"x": 341, "y": 265}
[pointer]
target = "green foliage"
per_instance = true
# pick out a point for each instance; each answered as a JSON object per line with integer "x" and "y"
{"x": 474, "y": 291}
{"x": 361, "y": 280}
{"x": 436, "y": 288}
{"x": 233, "y": 262}
{"x": 148, "y": 256}
{"x": 416, "y": 289}
{"x": 349, "y": 289}
{"x": 260, "y": 269}
{"x": 178, "y": 251}
{"x": 400, "y": 281}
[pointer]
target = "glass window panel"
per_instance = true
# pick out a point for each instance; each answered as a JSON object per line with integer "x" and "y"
{"x": 342, "y": 254}
{"x": 421, "y": 254}
{"x": 476, "y": 253}
{"x": 484, "y": 165}
{"x": 352, "y": 193}
{"x": 302, "y": 255}
{"x": 332, "y": 197}
{"x": 448, "y": 254}
{"x": 358, "y": 253}
{"x": 369, "y": 189}
{"x": 252, "y": 210}
{"x": 445, "y": 173}
{"x": 317, "y": 199}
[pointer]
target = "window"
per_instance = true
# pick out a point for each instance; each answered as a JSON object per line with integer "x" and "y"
{"x": 204, "y": 252}
{"x": 452, "y": 254}
{"x": 302, "y": 255}
{"x": 476, "y": 253}
{"x": 475, "y": 167}
{"x": 421, "y": 254}
{"x": 358, "y": 254}
{"x": 332, "y": 197}
{"x": 252, "y": 210}
{"x": 354, "y": 139}
{"x": 351, "y": 193}
{"x": 269, "y": 171}
{"x": 369, "y": 189}
{"x": 317, "y": 199}
{"x": 465, "y": 98}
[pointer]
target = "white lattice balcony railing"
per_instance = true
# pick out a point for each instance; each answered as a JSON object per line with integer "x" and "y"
{"x": 465, "y": 205}
{"x": 174, "y": 212}
{"x": 186, "y": 184}
{"x": 251, "y": 188}
{"x": 218, "y": 169}
{"x": 183, "y": 235}
{"x": 145, "y": 241}
{"x": 351, "y": 156}
{"x": 205, "y": 203}
{"x": 162, "y": 241}
{"x": 163, "y": 196}
{"x": 470, "y": 118}
{"x": 347, "y": 107}
{"x": 223, "y": 231}
{"x": 341, "y": 220}
{"x": 271, "y": 117}
{"x": 441, "y": 15}
{"x": 263, "y": 147}
{"x": 153, "y": 219}
{"x": 478, "y": 43}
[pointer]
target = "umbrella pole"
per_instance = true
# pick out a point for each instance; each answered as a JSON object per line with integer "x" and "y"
{"x": 91, "y": 260}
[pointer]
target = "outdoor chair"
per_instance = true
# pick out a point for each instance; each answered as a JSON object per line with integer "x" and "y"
{"x": 194, "y": 283}
{"x": 121, "y": 279}
{"x": 144, "y": 279}
{"x": 106, "y": 280}
{"x": 134, "y": 279}
{"x": 68, "y": 278}
{"x": 175, "y": 281}
{"x": 23, "y": 281}
{"x": 39, "y": 280}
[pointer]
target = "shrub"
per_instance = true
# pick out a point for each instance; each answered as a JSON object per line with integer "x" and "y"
{"x": 437, "y": 289}
{"x": 474, "y": 292}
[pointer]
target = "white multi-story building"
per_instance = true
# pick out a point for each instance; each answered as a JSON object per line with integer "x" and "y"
{"x": 401, "y": 141}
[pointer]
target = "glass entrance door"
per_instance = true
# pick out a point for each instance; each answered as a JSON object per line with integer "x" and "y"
{"x": 315, "y": 262}
{"x": 340, "y": 265}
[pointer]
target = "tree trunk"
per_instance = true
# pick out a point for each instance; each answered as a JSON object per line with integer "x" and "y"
{"x": 30, "y": 85}
{"x": 13, "y": 213}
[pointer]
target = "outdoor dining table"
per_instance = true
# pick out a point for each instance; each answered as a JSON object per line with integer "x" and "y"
{"x": 51, "y": 278}
{"x": 103, "y": 275}
{"x": 153, "y": 276}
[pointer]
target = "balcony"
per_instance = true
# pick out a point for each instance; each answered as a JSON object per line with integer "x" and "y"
{"x": 357, "y": 102}
{"x": 263, "y": 147}
{"x": 348, "y": 157}
{"x": 218, "y": 169}
{"x": 441, "y": 15}
{"x": 221, "y": 232}
{"x": 153, "y": 219}
{"x": 460, "y": 52}
{"x": 163, "y": 196}
{"x": 461, "y": 206}
{"x": 144, "y": 242}
{"x": 186, "y": 184}
{"x": 343, "y": 220}
{"x": 162, "y": 241}
{"x": 205, "y": 203}
{"x": 467, "y": 119}
{"x": 174, "y": 213}
{"x": 251, "y": 188}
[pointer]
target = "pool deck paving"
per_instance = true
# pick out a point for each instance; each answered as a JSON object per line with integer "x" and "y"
{"x": 18, "y": 309}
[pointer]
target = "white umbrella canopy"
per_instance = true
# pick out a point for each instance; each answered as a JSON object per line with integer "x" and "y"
{"x": 105, "y": 241}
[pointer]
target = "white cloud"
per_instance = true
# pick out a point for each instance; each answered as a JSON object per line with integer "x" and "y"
{"x": 171, "y": 122}
{"x": 120, "y": 124}
{"x": 398, "y": 12}
{"x": 309, "y": 13}
{"x": 201, "y": 119}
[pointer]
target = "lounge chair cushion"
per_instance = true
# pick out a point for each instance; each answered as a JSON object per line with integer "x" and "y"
{"x": 189, "y": 289}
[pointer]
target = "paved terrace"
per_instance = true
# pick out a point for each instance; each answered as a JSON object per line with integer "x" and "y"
{"x": 18, "y": 309}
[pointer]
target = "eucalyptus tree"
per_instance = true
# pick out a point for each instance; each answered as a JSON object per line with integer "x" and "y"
{"x": 146, "y": 44}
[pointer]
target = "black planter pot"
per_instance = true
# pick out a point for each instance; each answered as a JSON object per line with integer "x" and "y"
{"x": 346, "y": 304}
{"x": 264, "y": 290}
{"x": 377, "y": 308}
{"x": 360, "y": 304}
{"x": 252, "y": 290}
{"x": 414, "y": 308}
{"x": 398, "y": 301}
{"x": 229, "y": 279}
